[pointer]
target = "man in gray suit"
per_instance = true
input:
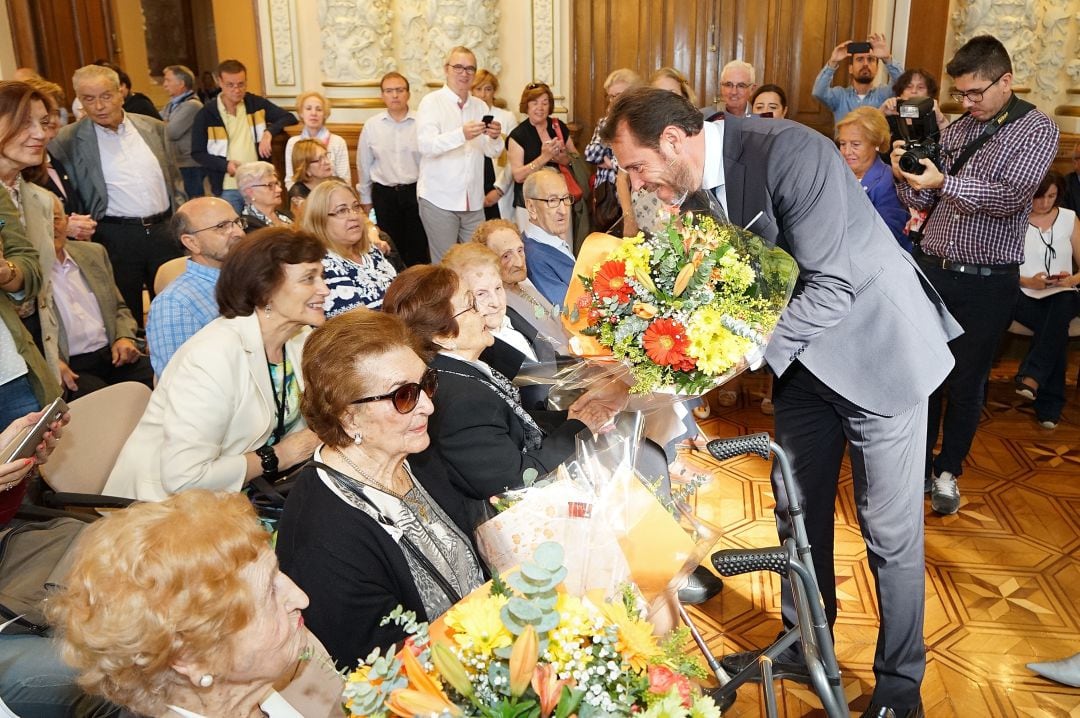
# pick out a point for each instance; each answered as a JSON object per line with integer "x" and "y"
{"x": 856, "y": 353}
{"x": 95, "y": 339}
{"x": 121, "y": 169}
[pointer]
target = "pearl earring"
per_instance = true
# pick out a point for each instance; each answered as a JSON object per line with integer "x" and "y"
{"x": 206, "y": 681}
{"x": 358, "y": 439}
{"x": 267, "y": 311}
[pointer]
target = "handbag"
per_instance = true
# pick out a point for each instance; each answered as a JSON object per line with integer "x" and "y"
{"x": 572, "y": 184}
{"x": 33, "y": 557}
{"x": 606, "y": 211}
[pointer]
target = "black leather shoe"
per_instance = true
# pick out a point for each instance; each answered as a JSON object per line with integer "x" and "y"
{"x": 790, "y": 670}
{"x": 700, "y": 586}
{"x": 877, "y": 711}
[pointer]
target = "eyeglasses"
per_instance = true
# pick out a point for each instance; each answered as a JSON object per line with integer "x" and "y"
{"x": 406, "y": 396}
{"x": 554, "y": 202}
{"x": 463, "y": 69}
{"x": 268, "y": 185}
{"x": 740, "y": 86}
{"x": 470, "y": 308}
{"x": 351, "y": 210}
{"x": 975, "y": 95}
{"x": 225, "y": 225}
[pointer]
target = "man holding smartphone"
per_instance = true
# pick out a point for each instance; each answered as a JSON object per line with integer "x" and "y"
{"x": 865, "y": 57}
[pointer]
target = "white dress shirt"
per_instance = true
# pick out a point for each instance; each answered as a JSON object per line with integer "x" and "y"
{"x": 387, "y": 153}
{"x": 134, "y": 182}
{"x": 713, "y": 179}
{"x": 515, "y": 339}
{"x": 78, "y": 307}
{"x": 451, "y": 168}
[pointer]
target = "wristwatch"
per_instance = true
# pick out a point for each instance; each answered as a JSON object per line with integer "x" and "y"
{"x": 12, "y": 270}
{"x": 268, "y": 458}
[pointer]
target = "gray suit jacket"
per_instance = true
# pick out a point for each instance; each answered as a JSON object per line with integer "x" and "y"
{"x": 96, "y": 268}
{"x": 863, "y": 318}
{"x": 76, "y": 147}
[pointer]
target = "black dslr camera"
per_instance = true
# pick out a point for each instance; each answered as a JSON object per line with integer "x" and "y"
{"x": 917, "y": 126}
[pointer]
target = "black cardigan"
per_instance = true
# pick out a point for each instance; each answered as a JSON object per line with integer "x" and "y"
{"x": 353, "y": 572}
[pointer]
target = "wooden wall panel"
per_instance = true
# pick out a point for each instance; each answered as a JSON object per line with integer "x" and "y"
{"x": 787, "y": 41}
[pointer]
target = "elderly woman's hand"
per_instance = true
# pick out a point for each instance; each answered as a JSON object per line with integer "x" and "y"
{"x": 12, "y": 472}
{"x": 296, "y": 448}
{"x": 594, "y": 414}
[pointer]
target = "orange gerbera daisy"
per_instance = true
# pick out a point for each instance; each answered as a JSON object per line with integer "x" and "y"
{"x": 610, "y": 281}
{"x": 666, "y": 344}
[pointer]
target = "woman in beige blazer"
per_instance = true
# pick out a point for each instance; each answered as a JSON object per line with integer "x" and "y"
{"x": 227, "y": 407}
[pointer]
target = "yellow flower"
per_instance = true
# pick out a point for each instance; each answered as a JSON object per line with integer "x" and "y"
{"x": 636, "y": 642}
{"x": 634, "y": 253}
{"x": 478, "y": 628}
{"x": 714, "y": 347}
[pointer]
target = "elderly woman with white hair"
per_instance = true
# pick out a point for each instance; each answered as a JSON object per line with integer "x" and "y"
{"x": 261, "y": 189}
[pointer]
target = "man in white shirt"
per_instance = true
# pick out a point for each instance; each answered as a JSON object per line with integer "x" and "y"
{"x": 736, "y": 86}
{"x": 388, "y": 164}
{"x": 453, "y": 141}
{"x": 123, "y": 175}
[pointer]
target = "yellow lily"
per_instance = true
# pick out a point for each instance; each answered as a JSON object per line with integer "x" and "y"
{"x": 408, "y": 703}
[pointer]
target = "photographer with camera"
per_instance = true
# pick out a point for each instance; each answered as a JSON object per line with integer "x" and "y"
{"x": 973, "y": 238}
{"x": 865, "y": 57}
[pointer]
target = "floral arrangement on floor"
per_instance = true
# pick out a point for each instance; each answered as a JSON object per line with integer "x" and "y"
{"x": 524, "y": 649}
{"x": 689, "y": 306}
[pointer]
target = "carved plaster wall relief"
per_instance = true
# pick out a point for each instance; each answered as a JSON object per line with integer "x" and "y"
{"x": 543, "y": 34}
{"x": 282, "y": 42}
{"x": 425, "y": 31}
{"x": 357, "y": 43}
{"x": 1041, "y": 37}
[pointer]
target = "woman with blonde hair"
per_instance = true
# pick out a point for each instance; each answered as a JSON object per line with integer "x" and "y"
{"x": 862, "y": 135}
{"x": 670, "y": 79}
{"x": 313, "y": 109}
{"x": 609, "y": 206}
{"x": 355, "y": 269}
{"x": 311, "y": 165}
{"x": 178, "y": 608}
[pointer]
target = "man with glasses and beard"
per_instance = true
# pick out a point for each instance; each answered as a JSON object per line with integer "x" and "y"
{"x": 453, "y": 140}
{"x": 856, "y": 288}
{"x": 973, "y": 237}
{"x": 864, "y": 69}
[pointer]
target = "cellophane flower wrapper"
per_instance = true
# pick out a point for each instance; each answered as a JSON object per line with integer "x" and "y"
{"x": 628, "y": 527}
{"x": 686, "y": 308}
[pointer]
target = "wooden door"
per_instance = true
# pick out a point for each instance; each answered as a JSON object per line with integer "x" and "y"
{"x": 56, "y": 37}
{"x": 787, "y": 41}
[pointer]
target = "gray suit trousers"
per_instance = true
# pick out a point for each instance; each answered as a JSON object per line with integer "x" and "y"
{"x": 813, "y": 425}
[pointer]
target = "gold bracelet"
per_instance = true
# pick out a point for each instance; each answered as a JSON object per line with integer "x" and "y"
{"x": 11, "y": 268}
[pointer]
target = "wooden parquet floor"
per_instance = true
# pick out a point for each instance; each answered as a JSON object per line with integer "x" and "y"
{"x": 1003, "y": 575}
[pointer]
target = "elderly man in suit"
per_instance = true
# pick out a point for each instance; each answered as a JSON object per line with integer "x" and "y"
{"x": 95, "y": 337}
{"x": 123, "y": 175}
{"x": 857, "y": 288}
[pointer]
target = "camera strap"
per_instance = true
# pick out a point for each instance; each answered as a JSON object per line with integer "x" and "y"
{"x": 1013, "y": 111}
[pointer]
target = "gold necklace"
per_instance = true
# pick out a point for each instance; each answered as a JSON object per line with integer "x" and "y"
{"x": 415, "y": 504}
{"x": 538, "y": 309}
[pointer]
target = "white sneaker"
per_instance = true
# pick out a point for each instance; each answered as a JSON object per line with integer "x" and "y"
{"x": 945, "y": 494}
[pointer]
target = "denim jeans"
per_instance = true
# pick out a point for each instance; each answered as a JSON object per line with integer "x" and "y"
{"x": 16, "y": 400}
{"x": 233, "y": 197}
{"x": 193, "y": 181}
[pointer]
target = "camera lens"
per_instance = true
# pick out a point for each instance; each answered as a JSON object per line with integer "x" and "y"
{"x": 909, "y": 162}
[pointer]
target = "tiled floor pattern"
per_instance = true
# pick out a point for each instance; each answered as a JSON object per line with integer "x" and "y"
{"x": 1003, "y": 575}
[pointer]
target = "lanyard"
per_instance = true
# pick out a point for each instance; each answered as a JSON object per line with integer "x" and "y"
{"x": 282, "y": 403}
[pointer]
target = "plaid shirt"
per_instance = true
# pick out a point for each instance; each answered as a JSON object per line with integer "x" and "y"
{"x": 596, "y": 152}
{"x": 187, "y": 305}
{"x": 982, "y": 212}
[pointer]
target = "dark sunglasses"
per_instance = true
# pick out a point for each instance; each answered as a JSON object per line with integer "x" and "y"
{"x": 406, "y": 396}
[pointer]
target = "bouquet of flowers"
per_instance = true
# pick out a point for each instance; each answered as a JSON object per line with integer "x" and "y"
{"x": 686, "y": 307}
{"x": 524, "y": 649}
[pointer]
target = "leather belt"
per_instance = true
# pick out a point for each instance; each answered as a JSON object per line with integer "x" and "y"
{"x": 141, "y": 221}
{"x": 397, "y": 187}
{"x": 978, "y": 270}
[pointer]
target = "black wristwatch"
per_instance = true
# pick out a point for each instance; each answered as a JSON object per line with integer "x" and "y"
{"x": 268, "y": 458}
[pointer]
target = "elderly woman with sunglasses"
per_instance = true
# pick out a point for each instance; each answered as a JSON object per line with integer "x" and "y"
{"x": 486, "y": 437}
{"x": 372, "y": 522}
